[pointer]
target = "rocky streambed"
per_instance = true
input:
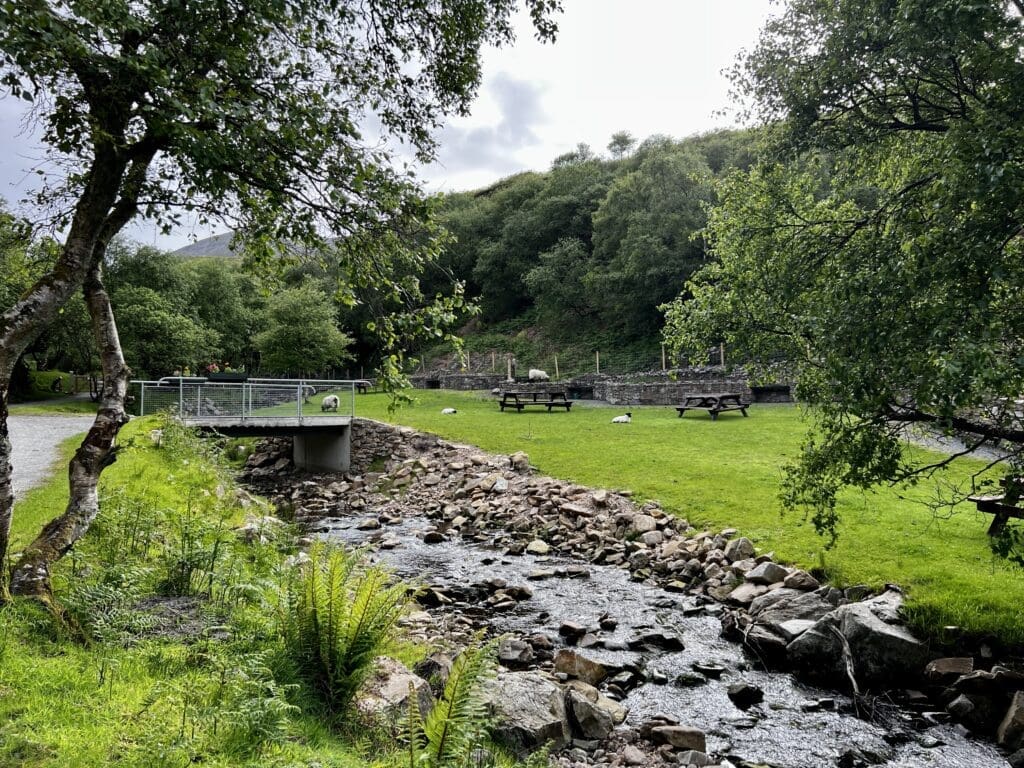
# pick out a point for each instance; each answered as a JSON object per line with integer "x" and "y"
{"x": 631, "y": 638}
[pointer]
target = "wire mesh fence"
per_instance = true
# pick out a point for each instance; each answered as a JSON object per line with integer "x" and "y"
{"x": 250, "y": 401}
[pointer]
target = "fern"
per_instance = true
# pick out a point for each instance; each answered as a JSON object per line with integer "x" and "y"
{"x": 338, "y": 616}
{"x": 458, "y": 722}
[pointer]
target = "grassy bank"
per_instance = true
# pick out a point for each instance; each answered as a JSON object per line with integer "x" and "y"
{"x": 175, "y": 659}
{"x": 726, "y": 474}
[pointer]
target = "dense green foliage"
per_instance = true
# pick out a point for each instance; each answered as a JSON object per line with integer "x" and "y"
{"x": 879, "y": 250}
{"x": 725, "y": 473}
{"x": 594, "y": 244}
{"x": 299, "y": 333}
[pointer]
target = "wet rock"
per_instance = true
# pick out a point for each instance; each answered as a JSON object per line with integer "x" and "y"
{"x": 593, "y": 716}
{"x": 527, "y": 710}
{"x": 1011, "y": 730}
{"x": 577, "y": 665}
{"x": 961, "y": 707}
{"x": 693, "y": 757}
{"x": 680, "y": 737}
{"x": 665, "y": 641}
{"x": 385, "y": 694}
{"x": 435, "y": 670}
{"x": 633, "y": 755}
{"x": 744, "y": 594}
{"x": 1016, "y": 760}
{"x": 708, "y": 669}
{"x": 739, "y": 549}
{"x": 572, "y": 631}
{"x": 538, "y": 547}
{"x": 948, "y": 669}
{"x": 433, "y": 537}
{"x": 745, "y": 695}
{"x": 515, "y": 653}
{"x": 882, "y": 647}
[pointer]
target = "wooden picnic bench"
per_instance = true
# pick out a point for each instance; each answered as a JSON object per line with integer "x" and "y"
{"x": 520, "y": 400}
{"x": 714, "y": 403}
{"x": 1002, "y": 505}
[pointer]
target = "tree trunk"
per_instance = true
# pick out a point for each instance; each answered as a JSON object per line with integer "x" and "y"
{"x": 6, "y": 491}
{"x": 31, "y": 576}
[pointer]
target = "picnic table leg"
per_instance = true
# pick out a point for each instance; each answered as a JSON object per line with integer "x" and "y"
{"x": 714, "y": 415}
{"x": 999, "y": 522}
{"x": 744, "y": 412}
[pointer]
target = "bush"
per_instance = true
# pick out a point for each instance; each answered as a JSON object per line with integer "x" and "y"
{"x": 337, "y": 616}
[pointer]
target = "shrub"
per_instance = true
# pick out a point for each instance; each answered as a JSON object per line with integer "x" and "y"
{"x": 338, "y": 614}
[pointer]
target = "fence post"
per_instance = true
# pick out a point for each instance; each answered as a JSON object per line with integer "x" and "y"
{"x": 494, "y": 361}
{"x": 556, "y": 368}
{"x": 181, "y": 400}
{"x": 142, "y": 399}
{"x": 298, "y": 399}
{"x": 663, "y": 366}
{"x": 597, "y": 361}
{"x": 721, "y": 354}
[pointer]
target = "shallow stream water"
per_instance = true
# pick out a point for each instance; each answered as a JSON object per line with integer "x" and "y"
{"x": 787, "y": 730}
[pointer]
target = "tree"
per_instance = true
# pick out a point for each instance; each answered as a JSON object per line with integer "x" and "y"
{"x": 300, "y": 335}
{"x": 247, "y": 111}
{"x": 879, "y": 250}
{"x": 621, "y": 144}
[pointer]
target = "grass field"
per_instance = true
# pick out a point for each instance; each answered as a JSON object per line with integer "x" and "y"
{"x": 726, "y": 473}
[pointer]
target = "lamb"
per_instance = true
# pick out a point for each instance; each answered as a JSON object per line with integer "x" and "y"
{"x": 623, "y": 419}
{"x": 330, "y": 403}
{"x": 538, "y": 375}
{"x": 448, "y": 411}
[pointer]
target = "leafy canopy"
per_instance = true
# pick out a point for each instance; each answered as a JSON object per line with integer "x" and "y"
{"x": 878, "y": 249}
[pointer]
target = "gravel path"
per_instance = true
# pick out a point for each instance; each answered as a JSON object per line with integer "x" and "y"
{"x": 35, "y": 440}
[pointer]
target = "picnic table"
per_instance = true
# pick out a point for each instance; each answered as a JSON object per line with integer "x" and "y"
{"x": 714, "y": 403}
{"x": 520, "y": 400}
{"x": 1002, "y": 505}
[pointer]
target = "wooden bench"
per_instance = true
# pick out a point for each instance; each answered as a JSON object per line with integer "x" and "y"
{"x": 1002, "y": 505}
{"x": 520, "y": 400}
{"x": 714, "y": 404}
{"x": 363, "y": 386}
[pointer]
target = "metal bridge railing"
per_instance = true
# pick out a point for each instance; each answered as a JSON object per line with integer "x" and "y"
{"x": 251, "y": 401}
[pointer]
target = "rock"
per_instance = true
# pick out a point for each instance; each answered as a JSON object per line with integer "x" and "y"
{"x": 801, "y": 580}
{"x": 527, "y": 710}
{"x": 745, "y": 593}
{"x": 948, "y": 669}
{"x": 538, "y": 547}
{"x": 1011, "y": 731}
{"x": 385, "y": 693}
{"x": 792, "y": 629}
{"x": 666, "y": 641}
{"x": 680, "y": 737}
{"x": 883, "y": 649}
{"x": 435, "y": 669}
{"x": 577, "y": 665}
{"x": 767, "y": 573}
{"x": 692, "y": 757}
{"x": 572, "y": 631}
{"x": 744, "y": 695}
{"x": 642, "y": 524}
{"x": 739, "y": 549}
{"x": 960, "y": 707}
{"x": 709, "y": 669}
{"x": 1016, "y": 760}
{"x": 433, "y": 537}
{"x": 589, "y": 720}
{"x": 600, "y": 497}
{"x": 519, "y": 461}
{"x": 633, "y": 755}
{"x": 652, "y": 538}
{"x": 515, "y": 653}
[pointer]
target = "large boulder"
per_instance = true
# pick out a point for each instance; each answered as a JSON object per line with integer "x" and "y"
{"x": 1011, "y": 730}
{"x": 883, "y": 650}
{"x": 384, "y": 695}
{"x": 528, "y": 711}
{"x": 593, "y": 715}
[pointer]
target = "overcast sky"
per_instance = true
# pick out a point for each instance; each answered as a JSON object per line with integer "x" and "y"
{"x": 643, "y": 66}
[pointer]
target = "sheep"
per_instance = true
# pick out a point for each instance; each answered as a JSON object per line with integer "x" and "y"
{"x": 448, "y": 411}
{"x": 538, "y": 375}
{"x": 623, "y": 419}
{"x": 330, "y": 403}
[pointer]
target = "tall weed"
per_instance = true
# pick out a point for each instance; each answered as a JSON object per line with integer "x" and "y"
{"x": 337, "y": 615}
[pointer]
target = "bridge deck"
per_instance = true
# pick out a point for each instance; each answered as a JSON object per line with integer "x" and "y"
{"x": 269, "y": 426}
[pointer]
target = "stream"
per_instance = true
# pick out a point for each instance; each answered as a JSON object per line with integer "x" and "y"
{"x": 796, "y": 726}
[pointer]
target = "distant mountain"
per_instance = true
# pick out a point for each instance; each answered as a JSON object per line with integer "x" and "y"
{"x": 210, "y": 247}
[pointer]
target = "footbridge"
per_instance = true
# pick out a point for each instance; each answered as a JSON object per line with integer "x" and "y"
{"x": 316, "y": 413}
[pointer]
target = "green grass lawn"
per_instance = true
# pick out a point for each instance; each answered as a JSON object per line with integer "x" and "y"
{"x": 53, "y": 408}
{"x": 726, "y": 473}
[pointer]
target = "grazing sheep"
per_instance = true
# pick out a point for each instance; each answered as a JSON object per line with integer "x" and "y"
{"x": 448, "y": 411}
{"x": 538, "y": 375}
{"x": 330, "y": 403}
{"x": 623, "y": 419}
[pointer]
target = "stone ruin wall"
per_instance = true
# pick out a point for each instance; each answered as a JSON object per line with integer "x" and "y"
{"x": 655, "y": 388}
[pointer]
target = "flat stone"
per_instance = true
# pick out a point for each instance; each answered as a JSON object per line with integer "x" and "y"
{"x": 527, "y": 711}
{"x": 693, "y": 757}
{"x": 801, "y": 580}
{"x": 767, "y": 573}
{"x": 744, "y": 695}
{"x": 680, "y": 737}
{"x": 515, "y": 653}
{"x": 745, "y": 593}
{"x": 792, "y": 629}
{"x": 949, "y": 668}
{"x": 577, "y": 665}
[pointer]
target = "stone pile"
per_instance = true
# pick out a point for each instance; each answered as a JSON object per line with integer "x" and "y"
{"x": 783, "y": 613}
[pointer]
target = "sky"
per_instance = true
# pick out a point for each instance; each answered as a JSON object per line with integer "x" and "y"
{"x": 643, "y": 66}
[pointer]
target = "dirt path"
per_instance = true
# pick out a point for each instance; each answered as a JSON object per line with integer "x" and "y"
{"x": 35, "y": 440}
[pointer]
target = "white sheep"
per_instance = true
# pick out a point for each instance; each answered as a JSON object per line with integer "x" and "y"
{"x": 448, "y": 411}
{"x": 538, "y": 375}
{"x": 330, "y": 403}
{"x": 623, "y": 419}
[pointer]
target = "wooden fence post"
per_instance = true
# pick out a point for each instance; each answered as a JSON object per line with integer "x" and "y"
{"x": 663, "y": 366}
{"x": 597, "y": 361}
{"x": 556, "y": 367}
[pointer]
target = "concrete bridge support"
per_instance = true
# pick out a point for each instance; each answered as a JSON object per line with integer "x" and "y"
{"x": 323, "y": 451}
